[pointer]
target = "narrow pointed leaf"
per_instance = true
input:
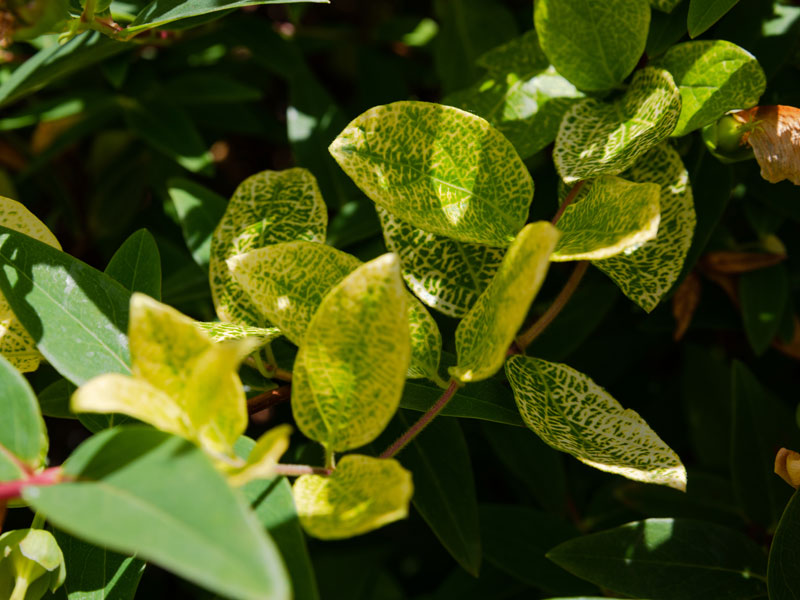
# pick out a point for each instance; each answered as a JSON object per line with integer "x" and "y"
{"x": 713, "y": 76}
{"x": 22, "y": 431}
{"x": 473, "y": 188}
{"x": 267, "y": 208}
{"x": 783, "y": 576}
{"x": 362, "y": 494}
{"x": 612, "y": 216}
{"x": 605, "y": 138}
{"x": 648, "y": 273}
{"x": 349, "y": 373}
{"x": 484, "y": 335}
{"x": 137, "y": 264}
{"x": 157, "y": 496}
{"x": 573, "y": 414}
{"x": 704, "y": 13}
{"x": 199, "y": 211}
{"x": 595, "y": 45}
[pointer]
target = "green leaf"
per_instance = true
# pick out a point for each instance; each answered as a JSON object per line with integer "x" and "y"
{"x": 612, "y": 216}
{"x": 22, "y": 431}
{"x": 77, "y": 315}
{"x": 783, "y": 576}
{"x": 267, "y": 208}
{"x": 602, "y": 138}
{"x": 713, "y": 76}
{"x": 571, "y": 413}
{"x": 199, "y": 211}
{"x": 54, "y": 399}
{"x": 666, "y": 30}
{"x": 219, "y": 331}
{"x": 520, "y": 96}
{"x": 350, "y": 370}
{"x": 445, "y": 274}
{"x": 704, "y": 13}
{"x": 95, "y": 573}
{"x": 208, "y": 88}
{"x": 666, "y": 6}
{"x": 362, "y": 494}
{"x": 137, "y": 264}
{"x": 669, "y": 559}
{"x": 147, "y": 493}
{"x": 472, "y": 187}
{"x": 646, "y": 274}
{"x": 32, "y": 564}
{"x": 595, "y": 45}
{"x": 485, "y": 334}
{"x": 764, "y": 295}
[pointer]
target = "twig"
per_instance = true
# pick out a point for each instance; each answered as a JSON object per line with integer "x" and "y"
{"x": 295, "y": 470}
{"x": 269, "y": 399}
{"x": 13, "y": 489}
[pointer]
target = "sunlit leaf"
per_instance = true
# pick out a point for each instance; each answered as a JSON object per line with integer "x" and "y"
{"x": 646, "y": 274}
{"x": 31, "y": 564}
{"x": 219, "y": 331}
{"x": 199, "y": 211}
{"x": 610, "y": 217}
{"x": 350, "y": 370}
{"x": 472, "y": 187}
{"x": 605, "y": 138}
{"x": 267, "y": 208}
{"x": 362, "y": 494}
{"x": 484, "y": 335}
{"x": 573, "y": 414}
{"x": 263, "y": 457}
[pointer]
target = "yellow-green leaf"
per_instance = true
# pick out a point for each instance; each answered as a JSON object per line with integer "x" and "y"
{"x": 219, "y": 331}
{"x": 267, "y": 208}
{"x": 484, "y": 335}
{"x": 648, "y": 273}
{"x": 263, "y": 457}
{"x": 362, "y": 494}
{"x": 471, "y": 187}
{"x": 573, "y": 414}
{"x": 610, "y": 216}
{"x": 350, "y": 371}
{"x": 16, "y": 344}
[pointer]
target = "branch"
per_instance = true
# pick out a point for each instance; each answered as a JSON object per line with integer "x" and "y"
{"x": 295, "y": 470}
{"x": 269, "y": 399}
{"x": 13, "y": 489}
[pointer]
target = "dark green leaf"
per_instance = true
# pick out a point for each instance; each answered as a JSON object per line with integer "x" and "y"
{"x": 783, "y": 576}
{"x": 666, "y": 29}
{"x": 764, "y": 294}
{"x": 704, "y": 13}
{"x": 208, "y": 88}
{"x": 199, "y": 211}
{"x": 54, "y": 399}
{"x": 137, "y": 264}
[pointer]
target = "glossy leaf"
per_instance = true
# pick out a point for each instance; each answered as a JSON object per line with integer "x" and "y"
{"x": 668, "y": 559}
{"x": 704, "y": 13}
{"x": 613, "y": 216}
{"x": 349, "y": 372}
{"x": 764, "y": 295}
{"x": 22, "y": 429}
{"x": 199, "y": 211}
{"x": 473, "y": 187}
{"x": 602, "y": 138}
{"x": 137, "y": 264}
{"x": 267, "y": 208}
{"x": 484, "y": 335}
{"x": 220, "y": 331}
{"x": 362, "y": 494}
{"x": 573, "y": 414}
{"x": 147, "y": 493}
{"x": 647, "y": 273}
{"x": 783, "y": 576}
{"x": 594, "y": 45}
{"x": 77, "y": 315}
{"x": 713, "y": 76}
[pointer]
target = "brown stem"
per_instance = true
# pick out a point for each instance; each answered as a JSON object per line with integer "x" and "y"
{"x": 573, "y": 193}
{"x": 13, "y": 489}
{"x": 423, "y": 421}
{"x": 296, "y": 470}
{"x": 269, "y": 399}
{"x": 555, "y": 308}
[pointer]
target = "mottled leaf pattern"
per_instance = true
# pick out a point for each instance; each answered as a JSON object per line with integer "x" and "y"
{"x": 445, "y": 274}
{"x": 713, "y": 76}
{"x": 599, "y": 138}
{"x": 267, "y": 208}
{"x": 219, "y": 331}
{"x": 610, "y": 217}
{"x": 441, "y": 169}
{"x": 15, "y": 343}
{"x": 521, "y": 95}
{"x": 573, "y": 414}
{"x": 593, "y": 44}
{"x": 362, "y": 494}
{"x": 484, "y": 335}
{"x": 350, "y": 370}
{"x": 646, "y": 274}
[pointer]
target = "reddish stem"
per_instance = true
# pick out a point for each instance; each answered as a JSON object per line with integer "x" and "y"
{"x": 13, "y": 489}
{"x": 269, "y": 399}
{"x": 295, "y": 470}
{"x": 573, "y": 193}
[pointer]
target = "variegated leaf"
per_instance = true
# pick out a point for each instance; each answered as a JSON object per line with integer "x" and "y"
{"x": 609, "y": 217}
{"x": 645, "y": 274}
{"x": 362, "y": 494}
{"x": 484, "y": 335}
{"x": 263, "y": 457}
{"x": 219, "y": 331}
{"x": 445, "y": 274}
{"x": 573, "y": 414}
{"x": 713, "y": 76}
{"x": 600, "y": 138}
{"x": 267, "y": 208}
{"x": 406, "y": 157}
{"x": 16, "y": 344}
{"x": 521, "y": 95}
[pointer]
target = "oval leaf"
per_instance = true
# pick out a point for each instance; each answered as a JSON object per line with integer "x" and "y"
{"x": 472, "y": 187}
{"x": 362, "y": 494}
{"x": 484, "y": 335}
{"x": 137, "y": 264}
{"x": 23, "y": 435}
{"x": 600, "y": 138}
{"x": 349, "y": 373}
{"x": 704, "y": 13}
{"x": 573, "y": 414}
